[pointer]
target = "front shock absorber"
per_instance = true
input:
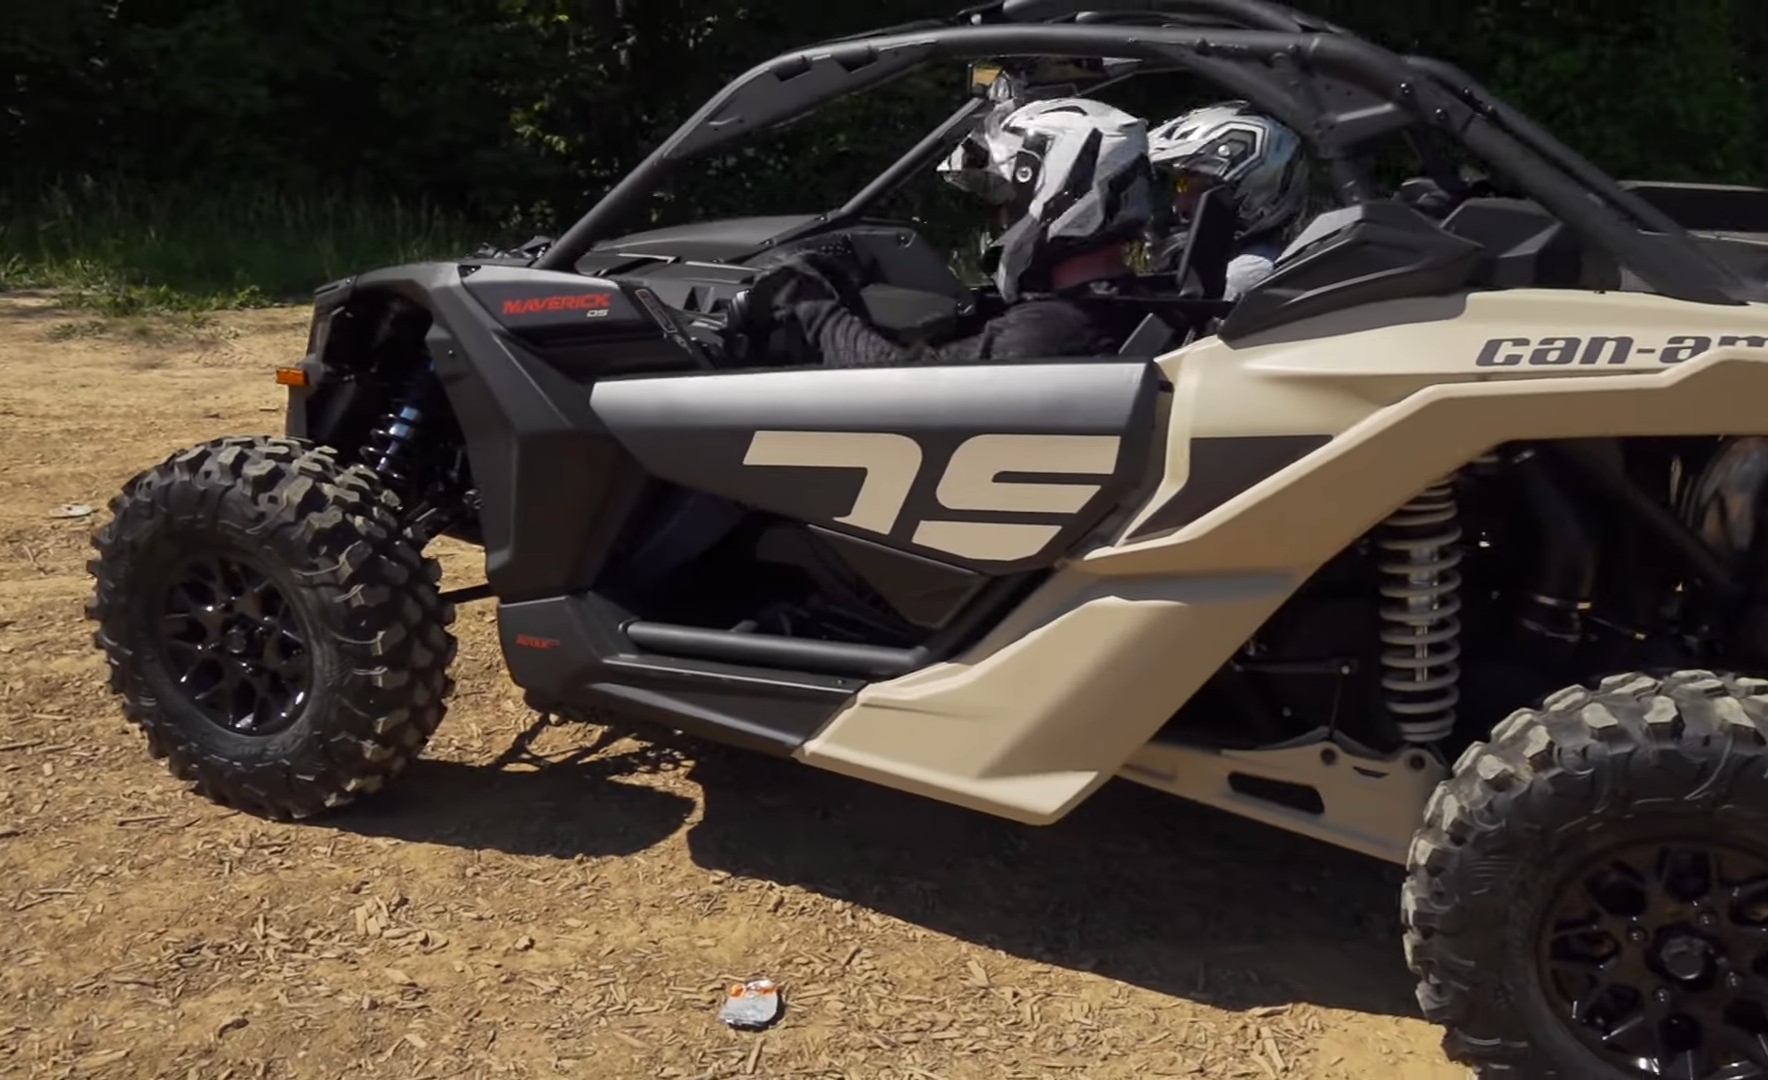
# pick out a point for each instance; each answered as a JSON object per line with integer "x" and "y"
{"x": 392, "y": 449}
{"x": 1420, "y": 609}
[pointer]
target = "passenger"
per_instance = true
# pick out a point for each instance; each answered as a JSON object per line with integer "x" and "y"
{"x": 1260, "y": 162}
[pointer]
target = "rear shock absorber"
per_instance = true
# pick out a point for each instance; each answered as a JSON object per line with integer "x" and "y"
{"x": 1420, "y": 610}
{"x": 392, "y": 443}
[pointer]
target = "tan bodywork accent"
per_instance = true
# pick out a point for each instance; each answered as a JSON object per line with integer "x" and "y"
{"x": 1365, "y": 802}
{"x": 972, "y": 482}
{"x": 1062, "y": 694}
{"x": 891, "y": 463}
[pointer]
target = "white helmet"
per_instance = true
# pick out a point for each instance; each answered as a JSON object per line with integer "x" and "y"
{"x": 1259, "y": 160}
{"x": 1075, "y": 171}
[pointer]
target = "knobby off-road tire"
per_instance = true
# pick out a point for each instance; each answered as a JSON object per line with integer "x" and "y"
{"x": 320, "y": 544}
{"x": 1539, "y": 817}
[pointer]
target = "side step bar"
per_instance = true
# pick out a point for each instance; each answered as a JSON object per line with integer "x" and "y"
{"x": 774, "y": 651}
{"x": 582, "y": 654}
{"x": 827, "y": 658}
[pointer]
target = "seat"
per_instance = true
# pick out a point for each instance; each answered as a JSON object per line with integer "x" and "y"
{"x": 910, "y": 314}
{"x": 1153, "y": 336}
{"x": 1209, "y": 246}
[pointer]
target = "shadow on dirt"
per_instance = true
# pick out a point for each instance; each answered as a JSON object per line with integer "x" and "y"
{"x": 524, "y": 804}
{"x": 1134, "y": 885}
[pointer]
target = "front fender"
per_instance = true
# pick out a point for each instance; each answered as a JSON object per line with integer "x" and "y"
{"x": 307, "y": 375}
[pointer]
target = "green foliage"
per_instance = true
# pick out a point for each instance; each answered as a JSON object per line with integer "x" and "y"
{"x": 1646, "y": 89}
{"x": 240, "y": 125}
{"x": 127, "y": 249}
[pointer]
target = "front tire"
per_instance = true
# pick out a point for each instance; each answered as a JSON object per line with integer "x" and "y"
{"x": 267, "y": 627}
{"x": 1588, "y": 897}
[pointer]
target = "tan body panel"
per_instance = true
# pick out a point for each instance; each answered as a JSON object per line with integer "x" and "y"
{"x": 1054, "y": 702}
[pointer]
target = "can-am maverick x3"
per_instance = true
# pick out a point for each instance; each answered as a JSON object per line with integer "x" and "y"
{"x": 1441, "y": 544}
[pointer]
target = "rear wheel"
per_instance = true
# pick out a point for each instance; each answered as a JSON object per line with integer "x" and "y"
{"x": 1588, "y": 897}
{"x": 267, "y": 627}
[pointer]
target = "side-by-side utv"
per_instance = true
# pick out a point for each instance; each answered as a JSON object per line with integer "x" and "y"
{"x": 1443, "y": 543}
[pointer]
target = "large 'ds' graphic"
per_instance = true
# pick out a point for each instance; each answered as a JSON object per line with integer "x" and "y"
{"x": 970, "y": 483}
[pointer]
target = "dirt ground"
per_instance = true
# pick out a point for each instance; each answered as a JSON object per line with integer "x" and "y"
{"x": 518, "y": 908}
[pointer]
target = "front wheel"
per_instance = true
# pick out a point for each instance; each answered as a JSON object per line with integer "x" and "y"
{"x": 1588, "y": 897}
{"x": 266, "y": 625}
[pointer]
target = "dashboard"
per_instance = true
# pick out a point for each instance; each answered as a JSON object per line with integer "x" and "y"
{"x": 699, "y": 269}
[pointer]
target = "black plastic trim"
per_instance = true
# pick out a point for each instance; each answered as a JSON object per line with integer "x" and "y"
{"x": 576, "y": 654}
{"x": 716, "y": 715}
{"x": 699, "y": 270}
{"x": 1153, "y": 337}
{"x": 925, "y": 592}
{"x": 1358, "y": 255}
{"x": 1732, "y": 208}
{"x": 1221, "y": 468}
{"x": 571, "y": 655}
{"x": 1209, "y": 243}
{"x": 1526, "y": 247}
{"x": 723, "y": 240}
{"x": 329, "y": 301}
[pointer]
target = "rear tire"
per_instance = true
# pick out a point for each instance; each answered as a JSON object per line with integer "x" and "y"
{"x": 266, "y": 626}
{"x": 1573, "y": 877}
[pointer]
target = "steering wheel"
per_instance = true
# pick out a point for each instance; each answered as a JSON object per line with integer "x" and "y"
{"x": 744, "y": 340}
{"x": 744, "y": 337}
{"x": 751, "y": 336}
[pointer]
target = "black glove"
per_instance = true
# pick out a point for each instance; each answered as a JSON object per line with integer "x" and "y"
{"x": 1427, "y": 196}
{"x": 809, "y": 275}
{"x": 762, "y": 320}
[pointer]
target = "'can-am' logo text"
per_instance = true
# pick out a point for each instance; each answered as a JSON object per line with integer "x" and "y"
{"x": 1590, "y": 351}
{"x": 593, "y": 304}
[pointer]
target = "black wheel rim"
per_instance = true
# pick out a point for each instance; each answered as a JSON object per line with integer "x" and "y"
{"x": 233, "y": 644}
{"x": 1656, "y": 957}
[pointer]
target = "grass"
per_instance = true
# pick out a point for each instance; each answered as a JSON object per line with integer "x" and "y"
{"x": 114, "y": 249}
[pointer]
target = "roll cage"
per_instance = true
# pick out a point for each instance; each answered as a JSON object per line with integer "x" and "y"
{"x": 1340, "y": 92}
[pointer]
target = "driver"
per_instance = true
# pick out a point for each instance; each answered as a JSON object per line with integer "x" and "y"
{"x": 1072, "y": 175}
{"x": 1261, "y": 164}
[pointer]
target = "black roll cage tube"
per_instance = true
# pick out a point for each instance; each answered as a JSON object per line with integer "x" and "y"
{"x": 1289, "y": 73}
{"x": 1248, "y": 14}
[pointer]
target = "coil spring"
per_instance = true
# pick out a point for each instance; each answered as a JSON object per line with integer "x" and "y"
{"x": 1422, "y": 603}
{"x": 392, "y": 442}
